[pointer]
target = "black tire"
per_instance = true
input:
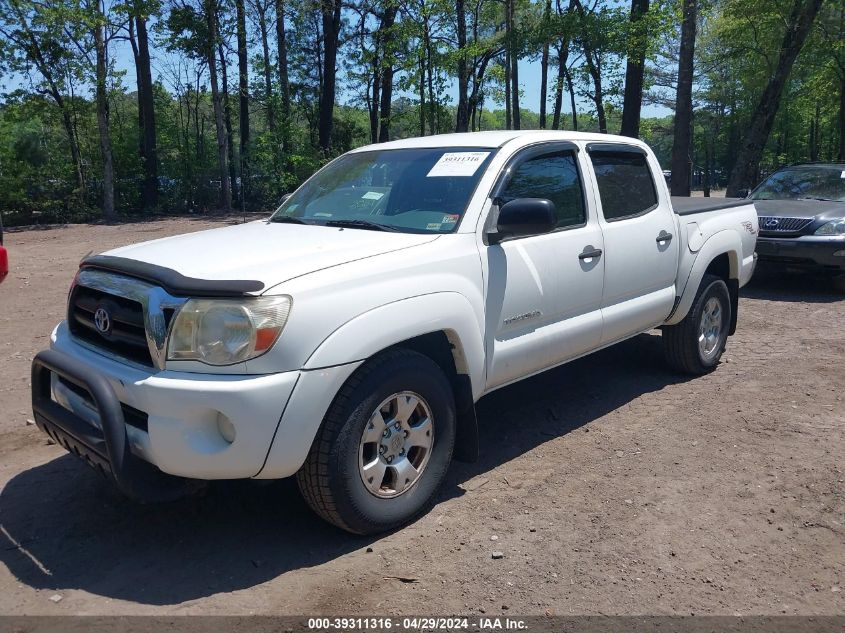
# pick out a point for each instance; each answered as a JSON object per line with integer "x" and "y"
{"x": 330, "y": 480}
{"x": 681, "y": 341}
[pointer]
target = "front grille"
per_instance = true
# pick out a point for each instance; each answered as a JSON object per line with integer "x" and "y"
{"x": 777, "y": 225}
{"x": 131, "y": 415}
{"x": 125, "y": 337}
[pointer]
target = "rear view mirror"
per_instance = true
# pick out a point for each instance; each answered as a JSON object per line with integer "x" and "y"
{"x": 522, "y": 217}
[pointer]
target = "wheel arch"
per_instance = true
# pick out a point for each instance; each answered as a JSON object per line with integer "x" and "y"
{"x": 448, "y": 333}
{"x": 719, "y": 256}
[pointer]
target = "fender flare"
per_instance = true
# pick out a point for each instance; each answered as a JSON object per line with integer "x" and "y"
{"x": 377, "y": 329}
{"x": 721, "y": 243}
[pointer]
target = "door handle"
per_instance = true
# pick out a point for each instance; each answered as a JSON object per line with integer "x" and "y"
{"x": 596, "y": 252}
{"x": 664, "y": 237}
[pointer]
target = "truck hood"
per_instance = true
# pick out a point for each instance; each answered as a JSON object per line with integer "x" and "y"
{"x": 267, "y": 252}
{"x": 819, "y": 209}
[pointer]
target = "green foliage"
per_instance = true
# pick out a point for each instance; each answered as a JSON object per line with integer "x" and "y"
{"x": 50, "y": 155}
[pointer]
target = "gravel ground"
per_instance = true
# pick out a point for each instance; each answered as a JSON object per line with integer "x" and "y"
{"x": 610, "y": 486}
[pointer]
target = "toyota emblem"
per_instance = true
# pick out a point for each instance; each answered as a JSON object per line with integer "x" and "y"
{"x": 102, "y": 321}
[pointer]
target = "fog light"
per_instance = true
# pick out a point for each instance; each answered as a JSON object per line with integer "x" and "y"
{"x": 839, "y": 253}
{"x": 226, "y": 428}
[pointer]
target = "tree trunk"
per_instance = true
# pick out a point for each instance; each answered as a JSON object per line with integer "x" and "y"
{"x": 102, "y": 97}
{"x": 388, "y": 20}
{"x": 508, "y": 117}
{"x": 227, "y": 119}
{"x": 562, "y": 59}
{"x": 243, "y": 96}
{"x": 284, "y": 83}
{"x": 422, "y": 94}
{"x": 633, "y": 99}
{"x": 331, "y": 31}
{"x": 514, "y": 57}
{"x": 544, "y": 69}
{"x": 374, "y": 104}
{"x": 747, "y": 165}
{"x": 217, "y": 101}
{"x": 682, "y": 141}
{"x": 146, "y": 108}
{"x": 571, "y": 89}
{"x": 432, "y": 102}
{"x": 268, "y": 71}
{"x": 462, "y": 124}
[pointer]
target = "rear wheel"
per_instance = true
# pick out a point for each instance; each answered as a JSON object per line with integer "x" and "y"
{"x": 696, "y": 344}
{"x": 384, "y": 445}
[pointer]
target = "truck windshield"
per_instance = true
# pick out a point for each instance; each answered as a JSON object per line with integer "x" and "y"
{"x": 409, "y": 190}
{"x": 808, "y": 182}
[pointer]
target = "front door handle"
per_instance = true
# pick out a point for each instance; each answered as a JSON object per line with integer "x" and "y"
{"x": 589, "y": 254}
{"x": 664, "y": 237}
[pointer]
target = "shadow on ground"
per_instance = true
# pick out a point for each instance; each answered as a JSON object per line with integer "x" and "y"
{"x": 773, "y": 285}
{"x": 63, "y": 527}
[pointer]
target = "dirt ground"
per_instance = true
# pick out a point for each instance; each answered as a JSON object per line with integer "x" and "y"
{"x": 611, "y": 485}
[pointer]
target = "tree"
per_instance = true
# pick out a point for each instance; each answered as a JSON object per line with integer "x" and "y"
{"x": 147, "y": 145}
{"x": 330, "y": 12}
{"x": 243, "y": 94}
{"x": 681, "y": 145}
{"x": 633, "y": 100}
{"x": 210, "y": 46}
{"x": 99, "y": 22}
{"x": 798, "y": 27}
{"x": 37, "y": 41}
{"x": 284, "y": 83}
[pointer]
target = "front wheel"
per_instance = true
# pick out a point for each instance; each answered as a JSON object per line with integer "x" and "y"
{"x": 384, "y": 446}
{"x": 695, "y": 345}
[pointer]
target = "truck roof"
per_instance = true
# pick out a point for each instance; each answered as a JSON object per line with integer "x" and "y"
{"x": 495, "y": 139}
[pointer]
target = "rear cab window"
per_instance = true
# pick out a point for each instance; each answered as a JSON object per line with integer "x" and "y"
{"x": 624, "y": 179}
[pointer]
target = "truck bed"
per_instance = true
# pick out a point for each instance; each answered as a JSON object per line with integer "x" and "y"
{"x": 690, "y": 206}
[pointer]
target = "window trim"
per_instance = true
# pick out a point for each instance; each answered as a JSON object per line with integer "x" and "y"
{"x": 622, "y": 148}
{"x": 506, "y": 173}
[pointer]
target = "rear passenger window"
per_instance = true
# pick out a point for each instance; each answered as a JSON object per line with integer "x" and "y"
{"x": 625, "y": 184}
{"x": 554, "y": 177}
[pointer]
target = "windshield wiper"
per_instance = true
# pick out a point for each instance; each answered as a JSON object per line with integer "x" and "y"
{"x": 361, "y": 224}
{"x": 289, "y": 219}
{"x": 814, "y": 198}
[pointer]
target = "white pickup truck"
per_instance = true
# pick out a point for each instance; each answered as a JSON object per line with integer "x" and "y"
{"x": 345, "y": 339}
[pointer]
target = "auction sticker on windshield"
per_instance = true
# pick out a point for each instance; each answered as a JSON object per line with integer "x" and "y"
{"x": 458, "y": 164}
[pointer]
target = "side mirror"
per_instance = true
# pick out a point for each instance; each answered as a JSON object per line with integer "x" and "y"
{"x": 524, "y": 216}
{"x": 742, "y": 193}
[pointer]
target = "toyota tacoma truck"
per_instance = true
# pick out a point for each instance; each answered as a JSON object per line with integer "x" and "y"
{"x": 346, "y": 339}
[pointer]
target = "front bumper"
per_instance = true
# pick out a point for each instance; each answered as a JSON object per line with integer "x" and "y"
{"x": 808, "y": 253}
{"x": 113, "y": 413}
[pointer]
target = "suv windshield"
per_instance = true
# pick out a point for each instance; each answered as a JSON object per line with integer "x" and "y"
{"x": 410, "y": 190}
{"x": 815, "y": 182}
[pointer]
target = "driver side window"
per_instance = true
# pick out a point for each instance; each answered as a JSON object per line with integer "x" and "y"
{"x": 553, "y": 176}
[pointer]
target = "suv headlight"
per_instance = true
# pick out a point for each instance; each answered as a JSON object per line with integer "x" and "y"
{"x": 227, "y": 331}
{"x": 834, "y": 227}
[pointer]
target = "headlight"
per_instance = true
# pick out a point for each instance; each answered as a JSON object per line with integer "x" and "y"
{"x": 834, "y": 227}
{"x": 225, "y": 331}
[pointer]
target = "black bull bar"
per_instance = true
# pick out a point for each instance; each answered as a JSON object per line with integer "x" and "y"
{"x": 106, "y": 449}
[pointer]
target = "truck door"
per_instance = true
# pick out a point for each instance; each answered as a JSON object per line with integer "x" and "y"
{"x": 641, "y": 248}
{"x": 544, "y": 292}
